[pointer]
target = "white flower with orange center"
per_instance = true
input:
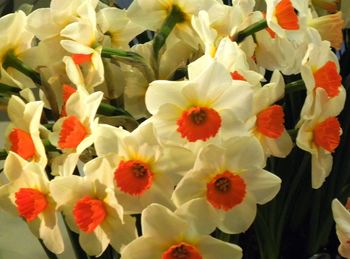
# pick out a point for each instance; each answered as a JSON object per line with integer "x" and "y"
{"x": 92, "y": 210}
{"x": 27, "y": 195}
{"x": 16, "y": 40}
{"x": 225, "y": 185}
{"x": 320, "y": 70}
{"x": 287, "y": 18}
{"x": 74, "y": 132}
{"x": 207, "y": 106}
{"x": 341, "y": 215}
{"x": 320, "y": 136}
{"x": 267, "y": 124}
{"x": 23, "y": 135}
{"x": 166, "y": 235}
{"x": 152, "y": 13}
{"x": 141, "y": 171}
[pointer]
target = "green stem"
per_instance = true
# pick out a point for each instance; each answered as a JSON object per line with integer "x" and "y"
{"x": 224, "y": 236}
{"x": 3, "y": 154}
{"x": 175, "y": 16}
{"x": 110, "y": 110}
{"x": 110, "y": 52}
{"x": 313, "y": 245}
{"x": 295, "y": 86}
{"x": 8, "y": 88}
{"x": 250, "y": 30}
{"x": 49, "y": 254}
{"x": 12, "y": 61}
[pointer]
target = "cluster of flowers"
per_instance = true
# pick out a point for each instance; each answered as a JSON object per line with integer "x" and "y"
{"x": 196, "y": 161}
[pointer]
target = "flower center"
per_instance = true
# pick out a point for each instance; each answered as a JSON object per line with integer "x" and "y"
{"x": 30, "y": 203}
{"x": 235, "y": 75}
{"x": 270, "y": 122}
{"x": 199, "y": 123}
{"x": 182, "y": 251}
{"x": 133, "y": 177}
{"x": 327, "y": 134}
{"x": 81, "y": 58}
{"x": 72, "y": 133}
{"x": 22, "y": 143}
{"x": 226, "y": 190}
{"x": 328, "y": 78}
{"x": 286, "y": 15}
{"x": 89, "y": 213}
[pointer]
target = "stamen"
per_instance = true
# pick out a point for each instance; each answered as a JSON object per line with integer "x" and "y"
{"x": 89, "y": 213}
{"x": 328, "y": 78}
{"x": 30, "y": 203}
{"x": 226, "y": 190}
{"x": 270, "y": 122}
{"x": 133, "y": 177}
{"x": 182, "y": 251}
{"x": 22, "y": 143}
{"x": 72, "y": 133}
{"x": 287, "y": 16}
{"x": 199, "y": 123}
{"x": 327, "y": 134}
{"x": 81, "y": 58}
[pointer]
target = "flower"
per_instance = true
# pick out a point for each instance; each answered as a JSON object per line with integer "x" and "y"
{"x": 341, "y": 217}
{"x": 320, "y": 135}
{"x": 27, "y": 195}
{"x": 206, "y": 106}
{"x": 166, "y": 235}
{"x": 140, "y": 169}
{"x": 225, "y": 185}
{"x": 92, "y": 210}
{"x": 23, "y": 135}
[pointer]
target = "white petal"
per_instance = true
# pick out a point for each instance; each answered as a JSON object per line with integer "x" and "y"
{"x": 94, "y": 243}
{"x": 281, "y": 146}
{"x": 212, "y": 248}
{"x": 143, "y": 248}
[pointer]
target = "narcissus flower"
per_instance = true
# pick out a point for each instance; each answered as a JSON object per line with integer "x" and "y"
{"x": 27, "y": 195}
{"x": 287, "y": 18}
{"x": 140, "y": 169}
{"x": 321, "y": 70}
{"x": 341, "y": 217}
{"x": 267, "y": 124}
{"x": 23, "y": 136}
{"x": 208, "y": 105}
{"x": 167, "y": 235}
{"x": 225, "y": 185}
{"x": 320, "y": 135}
{"x": 74, "y": 132}
{"x": 92, "y": 210}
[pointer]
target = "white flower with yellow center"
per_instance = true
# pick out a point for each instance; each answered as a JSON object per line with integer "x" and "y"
{"x": 92, "y": 210}
{"x": 23, "y": 136}
{"x": 14, "y": 40}
{"x": 207, "y": 106}
{"x": 320, "y": 136}
{"x": 27, "y": 195}
{"x": 341, "y": 217}
{"x": 225, "y": 185}
{"x": 167, "y": 235}
{"x": 141, "y": 171}
{"x": 320, "y": 70}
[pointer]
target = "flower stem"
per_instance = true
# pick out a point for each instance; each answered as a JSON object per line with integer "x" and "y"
{"x": 9, "y": 89}
{"x": 295, "y": 86}
{"x": 250, "y": 30}
{"x": 110, "y": 110}
{"x": 111, "y": 52}
{"x": 3, "y": 154}
{"x": 175, "y": 16}
{"x": 223, "y": 236}
{"x": 12, "y": 61}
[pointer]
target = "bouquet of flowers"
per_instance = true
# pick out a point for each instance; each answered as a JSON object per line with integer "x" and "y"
{"x": 178, "y": 128}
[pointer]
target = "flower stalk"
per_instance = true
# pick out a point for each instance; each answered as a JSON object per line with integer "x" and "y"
{"x": 250, "y": 30}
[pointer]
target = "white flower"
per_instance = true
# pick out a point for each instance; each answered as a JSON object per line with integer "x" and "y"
{"x": 141, "y": 171}
{"x": 341, "y": 217}
{"x": 27, "y": 195}
{"x": 225, "y": 185}
{"x": 92, "y": 210}
{"x": 166, "y": 235}
{"x": 207, "y": 106}
{"x": 23, "y": 136}
{"x": 320, "y": 135}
